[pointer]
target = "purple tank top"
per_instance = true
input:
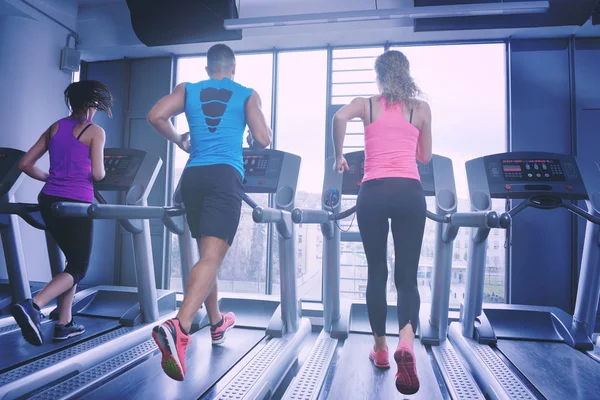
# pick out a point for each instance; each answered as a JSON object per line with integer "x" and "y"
{"x": 70, "y": 173}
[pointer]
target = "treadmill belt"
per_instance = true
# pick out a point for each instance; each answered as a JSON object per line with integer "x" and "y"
{"x": 205, "y": 365}
{"x": 556, "y": 369}
{"x": 15, "y": 350}
{"x": 357, "y": 378}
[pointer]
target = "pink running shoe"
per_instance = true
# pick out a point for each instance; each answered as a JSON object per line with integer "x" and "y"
{"x": 218, "y": 331}
{"x": 381, "y": 358}
{"x": 172, "y": 342}
{"x": 407, "y": 381}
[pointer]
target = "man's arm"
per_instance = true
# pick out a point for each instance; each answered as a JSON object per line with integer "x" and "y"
{"x": 259, "y": 129}
{"x": 166, "y": 108}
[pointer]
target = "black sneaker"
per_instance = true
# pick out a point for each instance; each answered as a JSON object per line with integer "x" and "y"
{"x": 28, "y": 317}
{"x": 63, "y": 332}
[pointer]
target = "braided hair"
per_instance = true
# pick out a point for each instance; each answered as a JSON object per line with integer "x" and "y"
{"x": 395, "y": 82}
{"x": 86, "y": 94}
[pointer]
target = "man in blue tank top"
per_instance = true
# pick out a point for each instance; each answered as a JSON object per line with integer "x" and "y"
{"x": 217, "y": 111}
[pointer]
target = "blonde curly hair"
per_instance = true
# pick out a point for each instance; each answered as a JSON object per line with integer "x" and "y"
{"x": 394, "y": 79}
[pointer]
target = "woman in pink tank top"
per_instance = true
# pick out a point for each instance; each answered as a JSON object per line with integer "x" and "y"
{"x": 76, "y": 149}
{"x": 397, "y": 134}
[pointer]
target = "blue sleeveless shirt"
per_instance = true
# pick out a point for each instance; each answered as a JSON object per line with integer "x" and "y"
{"x": 215, "y": 111}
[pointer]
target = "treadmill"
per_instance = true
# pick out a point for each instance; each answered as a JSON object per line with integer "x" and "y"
{"x": 18, "y": 287}
{"x": 530, "y": 352}
{"x": 338, "y": 366}
{"x": 268, "y": 335}
{"x": 116, "y": 318}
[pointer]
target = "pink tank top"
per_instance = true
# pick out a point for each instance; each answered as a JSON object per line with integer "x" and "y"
{"x": 391, "y": 146}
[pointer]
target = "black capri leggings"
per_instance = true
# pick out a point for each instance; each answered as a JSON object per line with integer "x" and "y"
{"x": 401, "y": 200}
{"x": 73, "y": 236}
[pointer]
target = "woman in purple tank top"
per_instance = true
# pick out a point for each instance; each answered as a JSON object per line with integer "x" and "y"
{"x": 76, "y": 149}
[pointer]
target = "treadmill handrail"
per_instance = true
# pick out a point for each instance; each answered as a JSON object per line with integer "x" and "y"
{"x": 248, "y": 200}
{"x": 483, "y": 219}
{"x": 300, "y": 216}
{"x": 125, "y": 213}
{"x": 66, "y": 209}
{"x": 266, "y": 215}
{"x": 115, "y": 211}
{"x": 437, "y": 217}
{"x": 558, "y": 203}
{"x": 25, "y": 211}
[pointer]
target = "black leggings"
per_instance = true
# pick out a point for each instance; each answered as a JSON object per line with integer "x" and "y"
{"x": 401, "y": 200}
{"x": 73, "y": 236}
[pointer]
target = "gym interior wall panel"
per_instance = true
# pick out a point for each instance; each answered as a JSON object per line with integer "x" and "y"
{"x": 102, "y": 268}
{"x": 149, "y": 80}
{"x": 541, "y": 121}
{"x": 31, "y": 99}
{"x": 587, "y": 89}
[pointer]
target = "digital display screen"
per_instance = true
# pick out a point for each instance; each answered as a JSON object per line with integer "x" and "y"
{"x": 532, "y": 170}
{"x": 256, "y": 165}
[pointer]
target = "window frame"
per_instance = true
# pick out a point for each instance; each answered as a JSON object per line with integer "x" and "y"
{"x": 331, "y": 108}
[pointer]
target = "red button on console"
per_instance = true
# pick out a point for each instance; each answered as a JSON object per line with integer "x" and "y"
{"x": 357, "y": 183}
{"x": 569, "y": 187}
{"x": 507, "y": 187}
{"x": 260, "y": 182}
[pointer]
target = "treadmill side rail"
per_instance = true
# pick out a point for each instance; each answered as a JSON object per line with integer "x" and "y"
{"x": 459, "y": 381}
{"x": 55, "y": 367}
{"x": 309, "y": 380}
{"x": 264, "y": 373}
{"x": 490, "y": 372}
{"x": 81, "y": 383}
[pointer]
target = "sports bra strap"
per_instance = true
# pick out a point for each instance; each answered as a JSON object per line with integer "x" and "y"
{"x": 370, "y": 111}
{"x": 411, "y": 113}
{"x": 83, "y": 130}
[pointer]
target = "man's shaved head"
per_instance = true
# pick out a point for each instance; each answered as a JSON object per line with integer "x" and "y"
{"x": 220, "y": 59}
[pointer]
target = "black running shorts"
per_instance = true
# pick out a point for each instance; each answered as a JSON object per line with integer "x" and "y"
{"x": 212, "y": 196}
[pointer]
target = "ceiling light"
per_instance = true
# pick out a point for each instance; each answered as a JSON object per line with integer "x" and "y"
{"x": 458, "y": 10}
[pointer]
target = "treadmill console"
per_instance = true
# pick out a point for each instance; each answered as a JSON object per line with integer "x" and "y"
{"x": 121, "y": 169}
{"x": 356, "y": 164}
{"x": 127, "y": 169}
{"x": 9, "y": 168}
{"x": 521, "y": 175}
{"x": 268, "y": 170}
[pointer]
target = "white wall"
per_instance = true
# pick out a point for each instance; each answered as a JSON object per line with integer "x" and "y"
{"x": 30, "y": 100}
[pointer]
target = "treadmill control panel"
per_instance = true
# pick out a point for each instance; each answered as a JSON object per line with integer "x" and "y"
{"x": 532, "y": 170}
{"x": 521, "y": 175}
{"x": 356, "y": 164}
{"x": 256, "y": 165}
{"x": 129, "y": 170}
{"x": 267, "y": 170}
{"x": 9, "y": 168}
{"x": 120, "y": 171}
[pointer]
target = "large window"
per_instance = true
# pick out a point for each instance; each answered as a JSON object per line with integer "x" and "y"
{"x": 244, "y": 268}
{"x": 352, "y": 75}
{"x": 300, "y": 126}
{"x": 465, "y": 86}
